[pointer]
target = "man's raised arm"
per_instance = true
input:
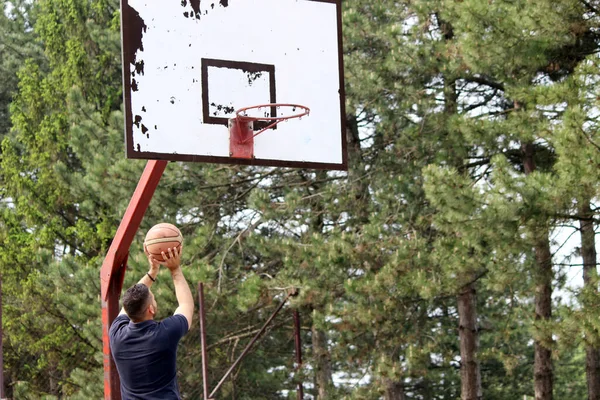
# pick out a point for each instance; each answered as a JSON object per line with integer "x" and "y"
{"x": 182, "y": 289}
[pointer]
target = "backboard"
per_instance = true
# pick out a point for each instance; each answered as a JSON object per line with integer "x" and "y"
{"x": 189, "y": 65}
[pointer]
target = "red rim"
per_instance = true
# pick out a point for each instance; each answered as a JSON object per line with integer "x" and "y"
{"x": 276, "y": 120}
{"x": 248, "y": 118}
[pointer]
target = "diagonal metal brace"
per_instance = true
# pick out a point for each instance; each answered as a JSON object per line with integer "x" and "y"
{"x": 249, "y": 346}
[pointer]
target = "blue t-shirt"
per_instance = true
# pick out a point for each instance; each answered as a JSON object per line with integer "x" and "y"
{"x": 146, "y": 356}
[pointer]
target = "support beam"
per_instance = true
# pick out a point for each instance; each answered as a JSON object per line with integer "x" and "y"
{"x": 115, "y": 264}
{"x": 202, "y": 318}
{"x": 110, "y": 310}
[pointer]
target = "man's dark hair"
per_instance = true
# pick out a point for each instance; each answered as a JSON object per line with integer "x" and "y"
{"x": 135, "y": 301}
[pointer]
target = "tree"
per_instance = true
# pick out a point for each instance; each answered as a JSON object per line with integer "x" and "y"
{"x": 536, "y": 56}
{"x": 18, "y": 43}
{"x": 416, "y": 268}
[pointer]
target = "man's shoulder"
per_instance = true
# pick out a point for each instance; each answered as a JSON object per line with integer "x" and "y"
{"x": 177, "y": 323}
{"x": 177, "y": 320}
{"x": 119, "y": 322}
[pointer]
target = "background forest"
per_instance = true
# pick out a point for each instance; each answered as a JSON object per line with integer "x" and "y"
{"x": 456, "y": 258}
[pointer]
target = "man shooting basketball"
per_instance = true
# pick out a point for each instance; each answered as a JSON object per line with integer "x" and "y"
{"x": 144, "y": 350}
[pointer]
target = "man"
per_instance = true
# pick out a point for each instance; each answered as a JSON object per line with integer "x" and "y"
{"x": 144, "y": 350}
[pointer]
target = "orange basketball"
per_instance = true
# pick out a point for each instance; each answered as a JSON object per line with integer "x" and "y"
{"x": 160, "y": 238}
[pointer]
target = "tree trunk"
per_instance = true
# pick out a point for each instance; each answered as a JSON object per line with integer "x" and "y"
{"x": 588, "y": 254}
{"x": 359, "y": 189}
{"x": 470, "y": 377}
{"x": 543, "y": 368}
{"x": 322, "y": 359}
{"x": 394, "y": 390}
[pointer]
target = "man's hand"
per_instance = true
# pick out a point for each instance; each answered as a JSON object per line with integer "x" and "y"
{"x": 154, "y": 265}
{"x": 173, "y": 260}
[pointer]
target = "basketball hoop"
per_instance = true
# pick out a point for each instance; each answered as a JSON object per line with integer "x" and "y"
{"x": 241, "y": 128}
{"x": 242, "y": 114}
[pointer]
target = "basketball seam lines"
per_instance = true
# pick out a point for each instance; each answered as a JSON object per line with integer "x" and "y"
{"x": 163, "y": 240}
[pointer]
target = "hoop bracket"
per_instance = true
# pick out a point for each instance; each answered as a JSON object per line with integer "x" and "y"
{"x": 241, "y": 138}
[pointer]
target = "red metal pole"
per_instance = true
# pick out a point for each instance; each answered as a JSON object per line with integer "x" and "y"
{"x": 115, "y": 263}
{"x": 202, "y": 318}
{"x": 110, "y": 310}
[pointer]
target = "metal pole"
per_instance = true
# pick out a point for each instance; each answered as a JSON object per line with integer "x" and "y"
{"x": 110, "y": 310}
{"x": 254, "y": 339}
{"x": 113, "y": 268}
{"x": 300, "y": 390}
{"x": 202, "y": 318}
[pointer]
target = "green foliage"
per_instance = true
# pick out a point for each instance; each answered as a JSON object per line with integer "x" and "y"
{"x": 18, "y": 43}
{"x": 440, "y": 97}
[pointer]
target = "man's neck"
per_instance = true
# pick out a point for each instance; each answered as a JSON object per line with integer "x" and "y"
{"x": 147, "y": 318}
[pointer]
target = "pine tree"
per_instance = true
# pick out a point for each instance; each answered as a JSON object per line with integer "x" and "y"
{"x": 17, "y": 44}
{"x": 436, "y": 215}
{"x": 534, "y": 56}
{"x": 577, "y": 158}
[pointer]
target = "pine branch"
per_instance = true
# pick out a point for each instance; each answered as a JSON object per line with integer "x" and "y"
{"x": 485, "y": 81}
{"x": 239, "y": 182}
{"x": 243, "y": 234}
{"x": 15, "y": 51}
{"x": 590, "y": 7}
{"x": 480, "y": 163}
{"x": 573, "y": 265}
{"x": 485, "y": 101}
{"x": 589, "y": 139}
{"x": 576, "y": 217}
{"x": 238, "y": 336}
{"x": 63, "y": 318}
{"x": 477, "y": 277}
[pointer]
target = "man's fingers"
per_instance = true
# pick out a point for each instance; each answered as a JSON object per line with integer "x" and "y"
{"x": 172, "y": 258}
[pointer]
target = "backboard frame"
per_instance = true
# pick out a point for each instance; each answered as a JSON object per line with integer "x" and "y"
{"x": 132, "y": 27}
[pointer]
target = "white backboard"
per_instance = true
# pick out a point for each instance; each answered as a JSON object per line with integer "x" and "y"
{"x": 188, "y": 65}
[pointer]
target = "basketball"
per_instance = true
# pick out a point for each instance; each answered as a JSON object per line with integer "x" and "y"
{"x": 160, "y": 238}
